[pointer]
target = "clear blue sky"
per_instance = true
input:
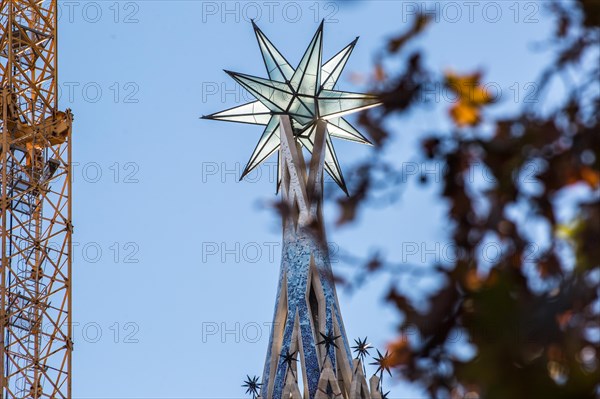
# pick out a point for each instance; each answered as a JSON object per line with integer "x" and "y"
{"x": 196, "y": 250}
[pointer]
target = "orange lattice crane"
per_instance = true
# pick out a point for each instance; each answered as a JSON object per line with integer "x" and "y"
{"x": 35, "y": 207}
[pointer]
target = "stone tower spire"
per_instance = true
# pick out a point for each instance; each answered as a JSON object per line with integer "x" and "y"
{"x": 301, "y": 110}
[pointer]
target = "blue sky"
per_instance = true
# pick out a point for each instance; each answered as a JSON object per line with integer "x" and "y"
{"x": 175, "y": 261}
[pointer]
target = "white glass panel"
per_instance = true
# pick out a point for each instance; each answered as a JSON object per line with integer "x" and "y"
{"x": 268, "y": 143}
{"x": 337, "y": 103}
{"x": 340, "y": 128}
{"x": 254, "y": 112}
{"x": 332, "y": 69}
{"x": 306, "y": 79}
{"x": 273, "y": 95}
{"x": 277, "y": 66}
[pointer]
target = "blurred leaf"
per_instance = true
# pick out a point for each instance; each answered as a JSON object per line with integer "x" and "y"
{"x": 590, "y": 176}
{"x": 471, "y": 96}
{"x": 400, "y": 353}
{"x": 465, "y": 114}
{"x": 591, "y": 12}
{"x": 528, "y": 310}
{"x": 419, "y": 23}
{"x": 380, "y": 74}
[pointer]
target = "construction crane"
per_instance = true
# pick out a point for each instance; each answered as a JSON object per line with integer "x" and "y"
{"x": 35, "y": 207}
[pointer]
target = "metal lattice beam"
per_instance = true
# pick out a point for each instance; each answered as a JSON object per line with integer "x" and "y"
{"x": 35, "y": 207}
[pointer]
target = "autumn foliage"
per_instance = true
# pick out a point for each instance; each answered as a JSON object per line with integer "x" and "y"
{"x": 534, "y": 330}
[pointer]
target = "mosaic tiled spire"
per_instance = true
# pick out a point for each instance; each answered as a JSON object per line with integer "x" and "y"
{"x": 301, "y": 109}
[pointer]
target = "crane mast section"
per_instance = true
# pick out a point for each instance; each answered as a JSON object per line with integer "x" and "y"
{"x": 35, "y": 207}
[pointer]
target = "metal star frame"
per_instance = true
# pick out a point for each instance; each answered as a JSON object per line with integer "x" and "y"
{"x": 328, "y": 340}
{"x": 252, "y": 385}
{"x": 383, "y": 363}
{"x": 361, "y": 348}
{"x": 306, "y": 94}
{"x": 289, "y": 358}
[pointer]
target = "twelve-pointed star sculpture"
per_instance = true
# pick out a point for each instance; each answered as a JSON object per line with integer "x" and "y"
{"x": 289, "y": 358}
{"x": 361, "y": 348}
{"x": 252, "y": 385}
{"x": 328, "y": 340}
{"x": 383, "y": 363}
{"x": 306, "y": 94}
